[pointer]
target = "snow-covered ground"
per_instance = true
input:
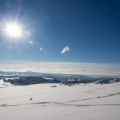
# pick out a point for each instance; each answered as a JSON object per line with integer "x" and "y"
{"x": 77, "y": 102}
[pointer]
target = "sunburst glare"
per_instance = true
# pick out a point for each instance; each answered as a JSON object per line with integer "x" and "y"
{"x": 13, "y": 30}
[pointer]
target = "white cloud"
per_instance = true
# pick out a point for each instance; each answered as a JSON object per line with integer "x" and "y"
{"x": 65, "y": 49}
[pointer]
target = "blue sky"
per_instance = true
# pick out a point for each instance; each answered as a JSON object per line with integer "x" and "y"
{"x": 89, "y": 27}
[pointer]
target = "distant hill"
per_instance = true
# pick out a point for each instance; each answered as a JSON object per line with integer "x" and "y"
{"x": 30, "y": 80}
{"x": 107, "y": 80}
{"x": 60, "y": 77}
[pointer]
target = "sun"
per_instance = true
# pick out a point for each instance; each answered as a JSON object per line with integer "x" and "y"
{"x": 13, "y": 30}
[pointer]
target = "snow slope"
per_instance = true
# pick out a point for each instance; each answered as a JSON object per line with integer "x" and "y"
{"x": 77, "y": 102}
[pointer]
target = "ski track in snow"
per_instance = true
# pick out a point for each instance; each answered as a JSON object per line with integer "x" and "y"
{"x": 58, "y": 104}
{"x": 98, "y": 97}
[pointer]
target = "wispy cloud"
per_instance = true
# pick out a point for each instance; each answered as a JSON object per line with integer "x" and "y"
{"x": 93, "y": 53}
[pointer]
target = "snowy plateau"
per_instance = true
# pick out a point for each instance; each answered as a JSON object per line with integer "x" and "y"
{"x": 60, "y": 102}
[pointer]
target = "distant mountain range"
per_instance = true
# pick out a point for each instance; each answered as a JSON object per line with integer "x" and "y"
{"x": 29, "y": 77}
{"x": 60, "y": 77}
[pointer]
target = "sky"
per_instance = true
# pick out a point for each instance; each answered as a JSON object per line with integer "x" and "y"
{"x": 90, "y": 28}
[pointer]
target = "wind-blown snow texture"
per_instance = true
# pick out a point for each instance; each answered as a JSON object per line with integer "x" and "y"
{"x": 45, "y": 102}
